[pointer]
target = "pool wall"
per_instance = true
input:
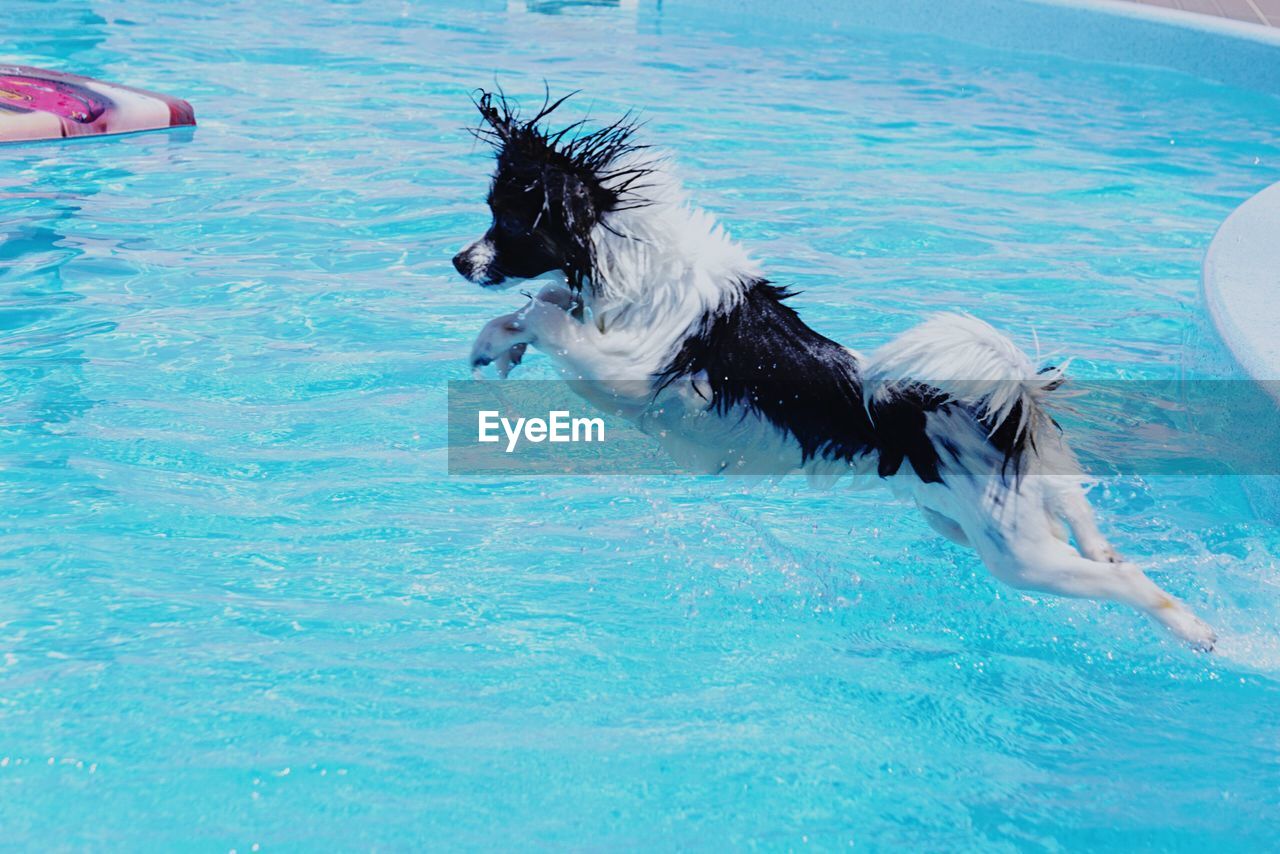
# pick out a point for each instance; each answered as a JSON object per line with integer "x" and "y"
{"x": 1232, "y": 52}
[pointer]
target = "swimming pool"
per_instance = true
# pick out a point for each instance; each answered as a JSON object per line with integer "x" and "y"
{"x": 241, "y": 601}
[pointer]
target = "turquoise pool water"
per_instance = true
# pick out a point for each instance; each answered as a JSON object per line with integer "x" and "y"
{"x": 242, "y": 603}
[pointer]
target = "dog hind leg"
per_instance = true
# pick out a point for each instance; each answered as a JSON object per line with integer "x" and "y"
{"x": 944, "y": 525}
{"x": 1014, "y": 536}
{"x": 1056, "y": 568}
{"x": 1067, "y": 501}
{"x": 1032, "y": 559}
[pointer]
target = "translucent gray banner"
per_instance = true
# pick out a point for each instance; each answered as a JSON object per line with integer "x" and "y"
{"x": 1116, "y": 427}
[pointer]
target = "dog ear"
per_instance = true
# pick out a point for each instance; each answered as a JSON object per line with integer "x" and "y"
{"x": 573, "y": 196}
{"x": 570, "y": 198}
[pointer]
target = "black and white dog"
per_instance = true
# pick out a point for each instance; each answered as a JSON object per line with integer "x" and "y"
{"x": 659, "y": 315}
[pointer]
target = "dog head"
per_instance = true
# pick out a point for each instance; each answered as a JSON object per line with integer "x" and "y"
{"x": 550, "y": 191}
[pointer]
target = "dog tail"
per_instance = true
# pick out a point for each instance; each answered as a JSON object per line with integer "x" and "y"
{"x": 970, "y": 362}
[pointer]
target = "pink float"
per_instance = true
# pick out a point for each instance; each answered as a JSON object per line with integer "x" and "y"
{"x": 40, "y": 104}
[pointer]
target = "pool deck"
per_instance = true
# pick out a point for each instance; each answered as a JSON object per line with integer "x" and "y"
{"x": 1266, "y": 12}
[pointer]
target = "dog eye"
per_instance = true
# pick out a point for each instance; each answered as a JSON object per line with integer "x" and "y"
{"x": 511, "y": 224}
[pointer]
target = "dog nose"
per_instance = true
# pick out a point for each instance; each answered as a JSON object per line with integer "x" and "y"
{"x": 462, "y": 264}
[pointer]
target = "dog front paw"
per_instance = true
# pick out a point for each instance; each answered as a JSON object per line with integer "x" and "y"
{"x": 502, "y": 343}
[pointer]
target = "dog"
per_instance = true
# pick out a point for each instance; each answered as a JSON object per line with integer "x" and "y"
{"x": 654, "y": 312}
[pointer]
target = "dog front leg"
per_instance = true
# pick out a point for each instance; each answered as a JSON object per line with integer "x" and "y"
{"x": 544, "y": 323}
{"x": 601, "y": 375}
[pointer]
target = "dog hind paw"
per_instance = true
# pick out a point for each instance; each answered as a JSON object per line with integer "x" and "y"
{"x": 1189, "y": 628}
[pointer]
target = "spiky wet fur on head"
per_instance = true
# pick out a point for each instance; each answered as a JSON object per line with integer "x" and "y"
{"x": 560, "y": 185}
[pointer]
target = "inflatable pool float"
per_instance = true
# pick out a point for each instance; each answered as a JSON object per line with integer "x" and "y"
{"x": 40, "y": 104}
